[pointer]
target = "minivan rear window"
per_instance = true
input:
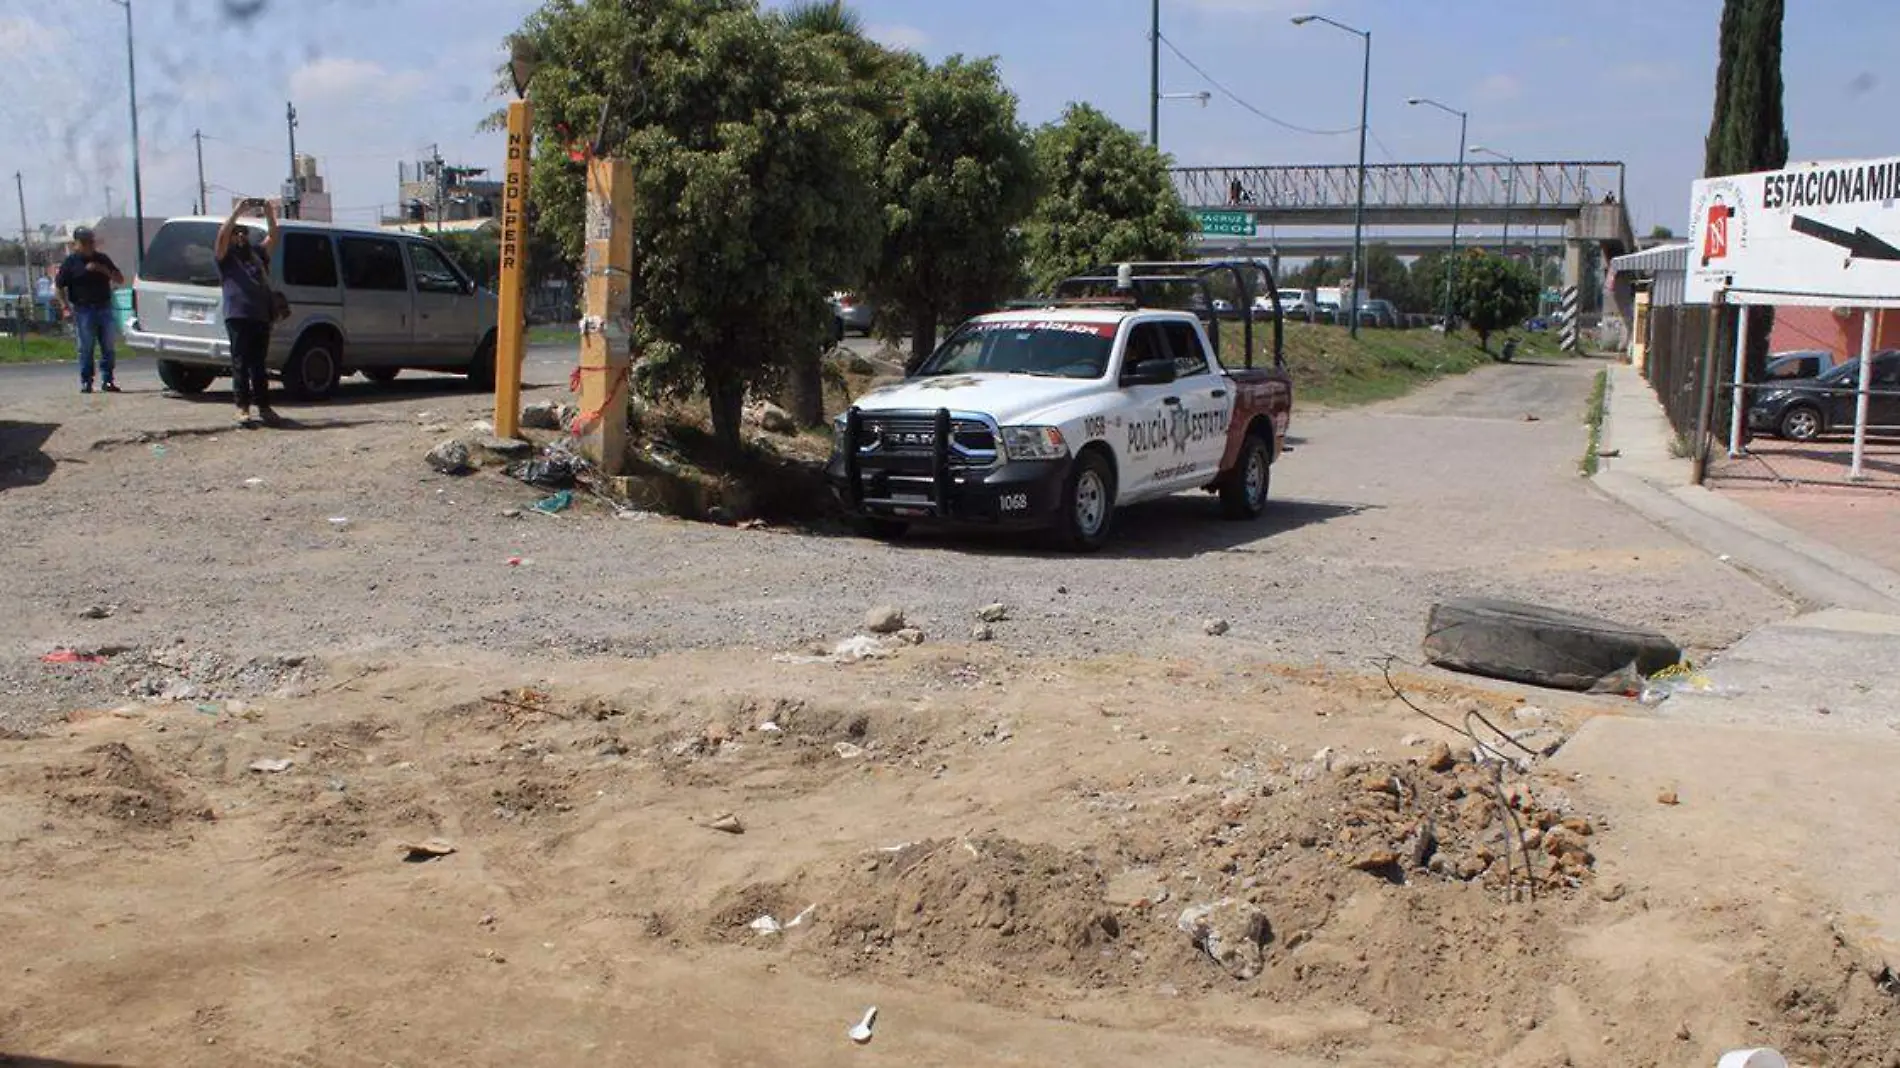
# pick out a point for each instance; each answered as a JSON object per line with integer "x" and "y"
{"x": 182, "y": 253}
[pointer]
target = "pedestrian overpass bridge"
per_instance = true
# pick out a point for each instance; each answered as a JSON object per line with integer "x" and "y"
{"x": 1584, "y": 197}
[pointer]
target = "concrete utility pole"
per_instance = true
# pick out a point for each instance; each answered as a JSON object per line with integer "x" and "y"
{"x": 204, "y": 195}
{"x": 293, "y": 202}
{"x": 26, "y": 258}
{"x": 138, "y": 187}
{"x": 435, "y": 157}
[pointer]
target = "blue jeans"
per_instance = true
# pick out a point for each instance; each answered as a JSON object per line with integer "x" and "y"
{"x": 95, "y": 326}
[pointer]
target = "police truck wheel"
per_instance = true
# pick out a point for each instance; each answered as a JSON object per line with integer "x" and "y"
{"x": 1244, "y": 494}
{"x": 185, "y": 379}
{"x": 1088, "y": 504}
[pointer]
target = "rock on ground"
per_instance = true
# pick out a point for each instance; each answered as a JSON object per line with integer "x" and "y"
{"x": 1229, "y": 931}
{"x": 450, "y": 457}
{"x": 884, "y": 619}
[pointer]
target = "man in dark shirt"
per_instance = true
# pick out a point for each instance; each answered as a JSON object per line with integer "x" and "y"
{"x": 244, "y": 270}
{"x": 85, "y": 282}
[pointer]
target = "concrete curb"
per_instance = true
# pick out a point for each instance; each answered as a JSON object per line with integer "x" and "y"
{"x": 1644, "y": 477}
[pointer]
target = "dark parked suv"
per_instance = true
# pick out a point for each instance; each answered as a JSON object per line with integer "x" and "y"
{"x": 1802, "y": 409}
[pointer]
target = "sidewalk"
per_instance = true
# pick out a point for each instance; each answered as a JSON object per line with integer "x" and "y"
{"x": 1644, "y": 476}
{"x": 1782, "y": 762}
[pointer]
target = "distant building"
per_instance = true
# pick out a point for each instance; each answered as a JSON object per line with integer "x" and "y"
{"x": 431, "y": 191}
{"x": 313, "y": 199}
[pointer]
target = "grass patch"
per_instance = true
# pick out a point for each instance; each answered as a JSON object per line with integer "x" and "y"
{"x": 1593, "y": 416}
{"x": 1330, "y": 368}
{"x": 554, "y": 334}
{"x": 35, "y": 348}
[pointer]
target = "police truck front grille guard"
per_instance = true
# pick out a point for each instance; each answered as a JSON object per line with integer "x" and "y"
{"x": 943, "y": 447}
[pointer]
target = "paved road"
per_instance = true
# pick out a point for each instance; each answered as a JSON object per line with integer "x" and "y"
{"x": 1377, "y": 512}
{"x": 546, "y": 365}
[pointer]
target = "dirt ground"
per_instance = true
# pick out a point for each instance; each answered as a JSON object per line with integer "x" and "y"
{"x": 1104, "y": 837}
{"x": 995, "y": 850}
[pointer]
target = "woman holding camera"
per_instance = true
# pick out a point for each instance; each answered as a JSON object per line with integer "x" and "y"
{"x": 244, "y": 270}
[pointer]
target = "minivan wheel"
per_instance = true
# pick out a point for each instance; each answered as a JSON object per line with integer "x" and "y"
{"x": 481, "y": 369}
{"x": 314, "y": 368}
{"x": 183, "y": 378}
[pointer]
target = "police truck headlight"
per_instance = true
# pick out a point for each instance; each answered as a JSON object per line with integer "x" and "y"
{"x": 1034, "y": 443}
{"x": 837, "y": 426}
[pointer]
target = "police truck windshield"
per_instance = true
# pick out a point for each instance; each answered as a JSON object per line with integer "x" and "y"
{"x": 1046, "y": 349}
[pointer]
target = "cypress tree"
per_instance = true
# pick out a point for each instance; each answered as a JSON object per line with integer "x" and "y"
{"x": 1747, "y": 132}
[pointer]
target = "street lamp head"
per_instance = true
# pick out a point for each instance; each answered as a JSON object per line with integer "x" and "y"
{"x": 1301, "y": 20}
{"x": 1415, "y": 100}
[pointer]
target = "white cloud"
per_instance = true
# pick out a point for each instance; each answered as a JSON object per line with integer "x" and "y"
{"x": 1500, "y": 87}
{"x": 897, "y": 35}
{"x": 341, "y": 78}
{"x": 25, "y": 39}
{"x": 1248, "y": 7}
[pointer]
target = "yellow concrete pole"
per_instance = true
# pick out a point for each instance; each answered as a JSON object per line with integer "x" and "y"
{"x": 605, "y": 308}
{"x": 511, "y": 319}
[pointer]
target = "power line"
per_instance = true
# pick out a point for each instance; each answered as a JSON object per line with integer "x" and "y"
{"x": 1235, "y": 97}
{"x": 1389, "y": 157}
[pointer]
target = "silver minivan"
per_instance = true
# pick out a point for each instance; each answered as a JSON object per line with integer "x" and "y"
{"x": 362, "y": 300}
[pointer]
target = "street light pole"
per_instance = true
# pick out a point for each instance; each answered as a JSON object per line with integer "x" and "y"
{"x": 1154, "y": 78}
{"x": 1457, "y": 201}
{"x": 1359, "y": 203}
{"x": 1510, "y": 196}
{"x": 138, "y": 187}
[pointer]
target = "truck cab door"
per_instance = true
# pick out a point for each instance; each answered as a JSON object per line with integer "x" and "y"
{"x": 1148, "y": 411}
{"x": 1204, "y": 412}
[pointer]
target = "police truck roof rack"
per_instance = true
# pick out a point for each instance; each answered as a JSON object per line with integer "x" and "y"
{"x": 1143, "y": 279}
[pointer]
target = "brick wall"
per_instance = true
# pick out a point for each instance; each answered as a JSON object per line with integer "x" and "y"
{"x": 1820, "y": 328}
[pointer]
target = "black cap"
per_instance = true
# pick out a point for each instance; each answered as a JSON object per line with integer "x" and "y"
{"x": 82, "y": 233}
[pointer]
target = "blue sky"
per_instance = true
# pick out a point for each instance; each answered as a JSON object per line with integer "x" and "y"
{"x": 378, "y": 81}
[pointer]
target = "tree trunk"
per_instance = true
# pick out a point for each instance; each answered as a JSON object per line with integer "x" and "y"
{"x": 805, "y": 389}
{"x": 1484, "y": 341}
{"x": 725, "y": 397}
{"x": 923, "y": 337}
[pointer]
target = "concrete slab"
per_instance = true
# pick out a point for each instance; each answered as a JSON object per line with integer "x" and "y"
{"x": 1763, "y": 812}
{"x": 1834, "y": 672}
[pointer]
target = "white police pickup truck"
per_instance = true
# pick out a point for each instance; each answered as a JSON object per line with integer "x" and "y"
{"x": 1054, "y": 417}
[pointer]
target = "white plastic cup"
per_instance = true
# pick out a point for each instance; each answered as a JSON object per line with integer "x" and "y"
{"x": 1762, "y": 1057}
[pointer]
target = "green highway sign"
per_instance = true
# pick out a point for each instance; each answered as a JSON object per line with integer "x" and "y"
{"x": 1227, "y": 223}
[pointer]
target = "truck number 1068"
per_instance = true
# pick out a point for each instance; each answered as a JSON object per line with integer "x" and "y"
{"x": 1014, "y": 502}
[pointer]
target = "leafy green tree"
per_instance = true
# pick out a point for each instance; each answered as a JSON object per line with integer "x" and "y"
{"x": 955, "y": 181}
{"x": 752, "y": 182}
{"x": 1747, "y": 131}
{"x": 1319, "y": 271}
{"x": 1661, "y": 233}
{"x": 477, "y": 253}
{"x": 1425, "y": 284}
{"x": 1106, "y": 197}
{"x": 1386, "y": 275}
{"x": 1494, "y": 293}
